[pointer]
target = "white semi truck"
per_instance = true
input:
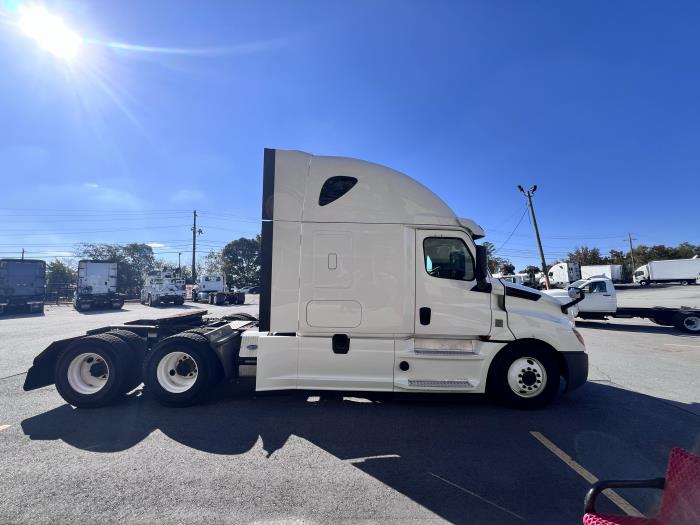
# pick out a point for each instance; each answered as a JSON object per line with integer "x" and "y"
{"x": 162, "y": 286}
{"x": 684, "y": 271}
{"x": 212, "y": 289}
{"x": 370, "y": 282}
{"x": 562, "y": 274}
{"x": 600, "y": 302}
{"x": 611, "y": 271}
{"x": 97, "y": 286}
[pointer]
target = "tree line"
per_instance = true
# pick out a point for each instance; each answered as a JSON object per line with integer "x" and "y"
{"x": 239, "y": 261}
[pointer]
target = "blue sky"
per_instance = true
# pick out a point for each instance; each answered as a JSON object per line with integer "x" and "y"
{"x": 595, "y": 102}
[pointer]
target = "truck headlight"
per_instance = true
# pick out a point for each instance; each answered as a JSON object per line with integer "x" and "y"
{"x": 579, "y": 336}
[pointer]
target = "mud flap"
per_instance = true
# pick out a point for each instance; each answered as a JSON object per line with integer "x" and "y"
{"x": 41, "y": 372}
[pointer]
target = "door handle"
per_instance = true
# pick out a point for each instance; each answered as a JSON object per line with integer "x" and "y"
{"x": 606, "y": 295}
{"x": 424, "y": 315}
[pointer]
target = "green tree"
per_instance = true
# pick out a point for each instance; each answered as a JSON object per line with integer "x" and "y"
{"x": 134, "y": 259}
{"x": 495, "y": 263}
{"x": 213, "y": 263}
{"x": 531, "y": 269}
{"x": 241, "y": 261}
{"x": 585, "y": 255}
{"x": 58, "y": 273}
{"x": 508, "y": 268}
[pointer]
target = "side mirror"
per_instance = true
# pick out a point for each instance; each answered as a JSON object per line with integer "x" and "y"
{"x": 482, "y": 263}
{"x": 575, "y": 293}
{"x": 481, "y": 271}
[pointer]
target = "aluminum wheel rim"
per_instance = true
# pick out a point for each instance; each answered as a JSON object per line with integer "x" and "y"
{"x": 527, "y": 377}
{"x": 692, "y": 323}
{"x": 88, "y": 373}
{"x": 177, "y": 372}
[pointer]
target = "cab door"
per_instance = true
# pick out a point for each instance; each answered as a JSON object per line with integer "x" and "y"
{"x": 446, "y": 302}
{"x": 600, "y": 297}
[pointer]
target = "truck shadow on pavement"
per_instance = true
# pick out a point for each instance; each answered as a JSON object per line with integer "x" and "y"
{"x": 464, "y": 459}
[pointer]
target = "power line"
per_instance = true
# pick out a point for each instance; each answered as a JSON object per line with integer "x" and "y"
{"x": 511, "y": 233}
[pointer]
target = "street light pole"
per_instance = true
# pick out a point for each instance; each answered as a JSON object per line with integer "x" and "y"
{"x": 529, "y": 194}
{"x": 629, "y": 236}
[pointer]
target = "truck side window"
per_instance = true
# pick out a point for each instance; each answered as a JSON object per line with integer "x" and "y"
{"x": 334, "y": 188}
{"x": 448, "y": 258}
{"x": 597, "y": 287}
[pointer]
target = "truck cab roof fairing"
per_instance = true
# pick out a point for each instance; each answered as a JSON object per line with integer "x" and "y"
{"x": 381, "y": 195}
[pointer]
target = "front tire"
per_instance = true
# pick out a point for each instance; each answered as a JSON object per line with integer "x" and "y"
{"x": 93, "y": 371}
{"x": 644, "y": 283}
{"x": 180, "y": 370}
{"x": 524, "y": 376}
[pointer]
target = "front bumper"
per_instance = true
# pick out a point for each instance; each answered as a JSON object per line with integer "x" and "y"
{"x": 576, "y": 371}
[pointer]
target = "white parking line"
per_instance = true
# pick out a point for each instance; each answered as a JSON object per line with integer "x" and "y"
{"x": 676, "y": 344}
{"x": 474, "y": 494}
{"x": 613, "y": 496}
{"x": 3, "y": 427}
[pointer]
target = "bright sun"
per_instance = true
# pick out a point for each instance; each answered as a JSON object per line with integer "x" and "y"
{"x": 50, "y": 32}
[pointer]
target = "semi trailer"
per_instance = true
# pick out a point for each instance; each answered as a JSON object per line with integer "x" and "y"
{"x": 162, "y": 286}
{"x": 369, "y": 282}
{"x": 212, "y": 289}
{"x": 97, "y": 286}
{"x": 611, "y": 271}
{"x": 600, "y": 302}
{"x": 22, "y": 285}
{"x": 683, "y": 271}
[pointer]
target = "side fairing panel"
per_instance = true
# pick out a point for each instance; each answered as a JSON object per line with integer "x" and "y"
{"x": 356, "y": 278}
{"x": 284, "y": 309}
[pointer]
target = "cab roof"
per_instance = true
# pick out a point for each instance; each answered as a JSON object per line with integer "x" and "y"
{"x": 308, "y": 188}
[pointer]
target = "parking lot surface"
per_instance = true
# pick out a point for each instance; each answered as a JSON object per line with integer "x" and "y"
{"x": 305, "y": 457}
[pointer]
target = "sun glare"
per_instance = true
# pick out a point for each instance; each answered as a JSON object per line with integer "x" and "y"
{"x": 50, "y": 32}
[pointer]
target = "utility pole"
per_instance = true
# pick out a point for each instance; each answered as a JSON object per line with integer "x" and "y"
{"x": 195, "y": 232}
{"x": 22, "y": 253}
{"x": 529, "y": 194}
{"x": 629, "y": 236}
{"x": 179, "y": 266}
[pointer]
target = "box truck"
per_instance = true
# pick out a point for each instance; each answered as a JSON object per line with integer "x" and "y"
{"x": 369, "y": 282}
{"x": 97, "y": 286}
{"x": 611, "y": 271}
{"x": 212, "y": 289}
{"x": 600, "y": 302}
{"x": 684, "y": 271}
{"x": 22, "y": 285}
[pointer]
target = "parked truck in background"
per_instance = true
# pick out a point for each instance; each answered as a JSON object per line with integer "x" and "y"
{"x": 97, "y": 286}
{"x": 611, "y": 271}
{"x": 563, "y": 274}
{"x": 600, "y": 302}
{"x": 683, "y": 271}
{"x": 162, "y": 286}
{"x": 212, "y": 289}
{"x": 369, "y": 281}
{"x": 22, "y": 285}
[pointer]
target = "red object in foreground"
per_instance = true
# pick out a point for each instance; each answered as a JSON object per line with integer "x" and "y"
{"x": 680, "y": 503}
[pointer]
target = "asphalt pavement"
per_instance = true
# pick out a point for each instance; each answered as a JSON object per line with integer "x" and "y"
{"x": 305, "y": 457}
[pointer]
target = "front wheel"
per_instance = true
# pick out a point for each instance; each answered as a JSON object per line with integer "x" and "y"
{"x": 644, "y": 283}
{"x": 523, "y": 376}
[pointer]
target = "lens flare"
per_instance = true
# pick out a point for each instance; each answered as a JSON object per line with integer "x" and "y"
{"x": 50, "y": 32}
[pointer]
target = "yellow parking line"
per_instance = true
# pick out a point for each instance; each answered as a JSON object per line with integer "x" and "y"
{"x": 3, "y": 427}
{"x": 613, "y": 496}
